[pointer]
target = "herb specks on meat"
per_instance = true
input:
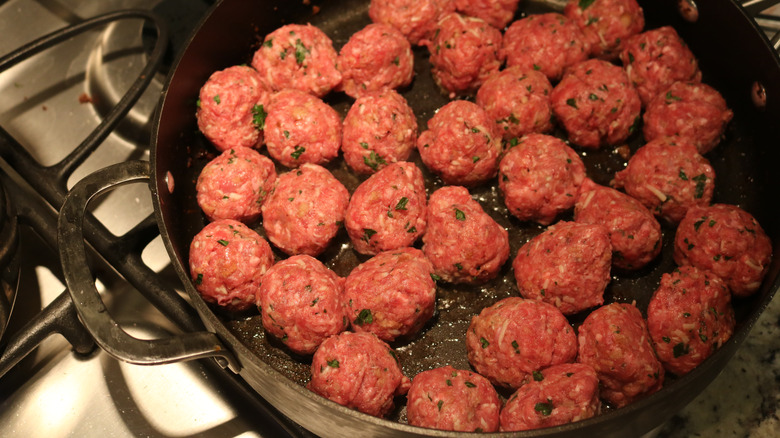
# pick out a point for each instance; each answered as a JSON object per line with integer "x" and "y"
{"x": 297, "y": 152}
{"x": 367, "y": 233}
{"x": 544, "y": 408}
{"x": 364, "y": 317}
{"x": 373, "y": 160}
{"x": 300, "y": 51}
{"x": 700, "y": 180}
{"x": 258, "y": 116}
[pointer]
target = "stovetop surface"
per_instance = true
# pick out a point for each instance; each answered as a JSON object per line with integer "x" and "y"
{"x": 50, "y": 103}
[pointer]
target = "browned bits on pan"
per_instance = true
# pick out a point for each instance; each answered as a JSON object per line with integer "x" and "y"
{"x": 624, "y": 151}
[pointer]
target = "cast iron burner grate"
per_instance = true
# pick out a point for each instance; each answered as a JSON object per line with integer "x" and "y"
{"x": 123, "y": 252}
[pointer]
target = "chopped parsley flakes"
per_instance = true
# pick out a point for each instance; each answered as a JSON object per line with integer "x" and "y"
{"x": 364, "y": 317}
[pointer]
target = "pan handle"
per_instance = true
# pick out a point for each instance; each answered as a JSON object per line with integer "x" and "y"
{"x": 90, "y": 307}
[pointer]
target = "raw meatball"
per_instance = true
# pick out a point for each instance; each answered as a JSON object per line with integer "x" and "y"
{"x": 513, "y": 338}
{"x": 596, "y": 104}
{"x": 463, "y": 242}
{"x": 540, "y": 178}
{"x": 548, "y": 43}
{"x": 567, "y": 265}
{"x": 656, "y": 59}
{"x": 607, "y": 24}
{"x": 464, "y": 52}
{"x": 668, "y": 176}
{"x": 634, "y": 232}
{"x": 388, "y": 210}
{"x": 518, "y": 99}
{"x": 614, "y": 340}
{"x": 391, "y": 294}
{"x": 449, "y": 399}
{"x": 375, "y": 57}
{"x": 231, "y": 110}
{"x": 692, "y": 110}
{"x": 305, "y": 210}
{"x": 301, "y": 128}
{"x": 302, "y": 303}
{"x": 234, "y": 185}
{"x": 497, "y": 13}
{"x": 689, "y": 318}
{"x": 727, "y": 241}
{"x": 359, "y": 371}
{"x": 298, "y": 56}
{"x": 380, "y": 128}
{"x": 462, "y": 144}
{"x": 227, "y": 262}
{"x": 416, "y": 19}
{"x": 560, "y": 394}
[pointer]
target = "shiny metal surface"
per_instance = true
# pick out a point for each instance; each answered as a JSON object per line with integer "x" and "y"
{"x": 109, "y": 335}
{"x": 50, "y": 103}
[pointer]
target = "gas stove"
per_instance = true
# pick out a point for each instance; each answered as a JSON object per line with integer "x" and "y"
{"x": 51, "y": 103}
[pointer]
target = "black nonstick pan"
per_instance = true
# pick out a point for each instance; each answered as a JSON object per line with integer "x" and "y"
{"x": 735, "y": 58}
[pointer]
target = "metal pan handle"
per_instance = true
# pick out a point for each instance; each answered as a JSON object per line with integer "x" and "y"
{"x": 90, "y": 307}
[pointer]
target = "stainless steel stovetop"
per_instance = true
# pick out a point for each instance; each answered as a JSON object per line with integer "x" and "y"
{"x": 50, "y": 103}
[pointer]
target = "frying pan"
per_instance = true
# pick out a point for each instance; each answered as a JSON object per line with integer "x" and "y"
{"x": 736, "y": 59}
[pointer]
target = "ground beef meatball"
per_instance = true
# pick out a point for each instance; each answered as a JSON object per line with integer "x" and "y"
{"x": 231, "y": 110}
{"x": 692, "y": 110}
{"x": 450, "y": 399}
{"x": 560, "y": 394}
{"x": 380, "y": 128}
{"x": 462, "y": 144}
{"x": 518, "y": 100}
{"x": 497, "y": 13}
{"x": 298, "y": 56}
{"x": 416, "y": 19}
{"x": 388, "y": 210}
{"x": 689, "y": 318}
{"x": 511, "y": 339}
{"x": 464, "y": 52}
{"x": 607, "y": 24}
{"x": 359, "y": 371}
{"x": 668, "y": 176}
{"x": 614, "y": 340}
{"x": 656, "y": 59}
{"x": 463, "y": 242}
{"x": 301, "y": 128}
{"x": 391, "y": 294}
{"x": 727, "y": 241}
{"x": 302, "y": 303}
{"x": 548, "y": 43}
{"x": 375, "y": 57}
{"x": 634, "y": 232}
{"x": 305, "y": 210}
{"x": 227, "y": 262}
{"x": 567, "y": 265}
{"x": 234, "y": 185}
{"x": 540, "y": 178}
{"x": 596, "y": 104}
